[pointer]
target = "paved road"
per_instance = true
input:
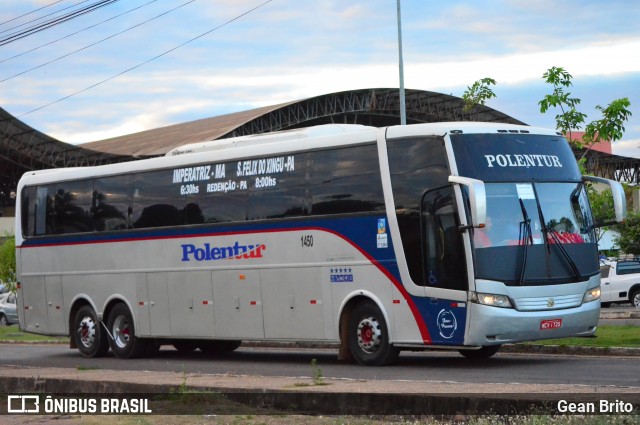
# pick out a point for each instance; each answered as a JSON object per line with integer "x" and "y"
{"x": 432, "y": 366}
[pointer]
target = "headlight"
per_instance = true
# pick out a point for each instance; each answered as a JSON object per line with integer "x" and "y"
{"x": 591, "y": 295}
{"x": 491, "y": 299}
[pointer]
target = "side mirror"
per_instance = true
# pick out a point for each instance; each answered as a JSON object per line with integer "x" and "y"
{"x": 619, "y": 198}
{"x": 477, "y": 198}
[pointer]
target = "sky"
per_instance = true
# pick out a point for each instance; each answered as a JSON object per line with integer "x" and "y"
{"x": 135, "y": 65}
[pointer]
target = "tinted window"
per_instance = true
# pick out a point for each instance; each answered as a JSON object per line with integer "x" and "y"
{"x": 282, "y": 192}
{"x": 416, "y": 166}
{"x": 628, "y": 267}
{"x": 28, "y": 211}
{"x": 68, "y": 207}
{"x": 332, "y": 181}
{"x": 112, "y": 209}
{"x": 345, "y": 180}
{"x": 443, "y": 248}
{"x": 157, "y": 203}
{"x": 514, "y": 157}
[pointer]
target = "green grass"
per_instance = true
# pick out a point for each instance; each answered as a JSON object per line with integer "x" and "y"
{"x": 13, "y": 333}
{"x": 606, "y": 337}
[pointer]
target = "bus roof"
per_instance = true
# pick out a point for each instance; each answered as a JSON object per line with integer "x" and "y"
{"x": 275, "y": 143}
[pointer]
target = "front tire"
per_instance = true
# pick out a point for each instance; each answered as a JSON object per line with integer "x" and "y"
{"x": 90, "y": 337}
{"x": 483, "y": 353}
{"x": 369, "y": 336}
{"x": 125, "y": 344}
{"x": 3, "y": 320}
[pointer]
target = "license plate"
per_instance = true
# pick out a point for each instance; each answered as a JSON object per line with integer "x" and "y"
{"x": 550, "y": 324}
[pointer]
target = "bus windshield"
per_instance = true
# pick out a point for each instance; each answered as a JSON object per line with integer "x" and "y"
{"x": 539, "y": 222}
{"x": 542, "y": 231}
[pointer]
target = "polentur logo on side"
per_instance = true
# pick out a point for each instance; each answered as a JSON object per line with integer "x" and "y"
{"x": 206, "y": 252}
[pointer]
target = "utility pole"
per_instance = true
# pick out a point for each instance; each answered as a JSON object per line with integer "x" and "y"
{"x": 403, "y": 108}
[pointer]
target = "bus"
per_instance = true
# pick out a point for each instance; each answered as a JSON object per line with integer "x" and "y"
{"x": 461, "y": 236}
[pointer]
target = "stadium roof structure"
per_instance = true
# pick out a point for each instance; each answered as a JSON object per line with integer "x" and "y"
{"x": 376, "y": 107}
{"x": 23, "y": 148}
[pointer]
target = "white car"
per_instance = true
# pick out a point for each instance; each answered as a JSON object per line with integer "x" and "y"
{"x": 620, "y": 282}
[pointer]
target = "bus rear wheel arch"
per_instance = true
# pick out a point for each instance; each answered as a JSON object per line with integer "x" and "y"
{"x": 88, "y": 333}
{"x": 368, "y": 336}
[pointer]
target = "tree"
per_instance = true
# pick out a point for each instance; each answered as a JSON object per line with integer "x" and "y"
{"x": 8, "y": 261}
{"x": 611, "y": 125}
{"x": 478, "y": 93}
{"x": 569, "y": 119}
{"x": 629, "y": 238}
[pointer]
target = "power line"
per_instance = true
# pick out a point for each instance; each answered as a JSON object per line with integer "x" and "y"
{"x": 57, "y": 21}
{"x": 97, "y": 42}
{"x": 42, "y": 17}
{"x": 29, "y": 13}
{"x": 147, "y": 61}
{"x": 77, "y": 32}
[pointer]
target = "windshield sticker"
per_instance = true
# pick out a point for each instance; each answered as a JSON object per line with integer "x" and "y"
{"x": 382, "y": 241}
{"x": 525, "y": 191}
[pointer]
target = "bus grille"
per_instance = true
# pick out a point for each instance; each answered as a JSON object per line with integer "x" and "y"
{"x": 544, "y": 303}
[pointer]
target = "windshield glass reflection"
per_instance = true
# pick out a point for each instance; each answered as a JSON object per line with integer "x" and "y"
{"x": 516, "y": 211}
{"x": 536, "y": 233}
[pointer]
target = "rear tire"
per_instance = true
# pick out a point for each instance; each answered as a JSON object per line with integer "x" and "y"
{"x": 369, "y": 336}
{"x": 483, "y": 353}
{"x": 3, "y": 320}
{"x": 125, "y": 344}
{"x": 89, "y": 334}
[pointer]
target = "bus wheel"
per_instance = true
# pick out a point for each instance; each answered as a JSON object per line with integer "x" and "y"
{"x": 484, "y": 353}
{"x": 218, "y": 346}
{"x": 90, "y": 337}
{"x": 369, "y": 336}
{"x": 124, "y": 342}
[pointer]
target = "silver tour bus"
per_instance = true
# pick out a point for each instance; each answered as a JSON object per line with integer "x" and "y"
{"x": 461, "y": 236}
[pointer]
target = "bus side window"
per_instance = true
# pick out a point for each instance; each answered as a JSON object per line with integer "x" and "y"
{"x": 112, "y": 201}
{"x": 443, "y": 250}
{"x": 68, "y": 207}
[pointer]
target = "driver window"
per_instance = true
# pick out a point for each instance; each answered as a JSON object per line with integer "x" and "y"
{"x": 443, "y": 250}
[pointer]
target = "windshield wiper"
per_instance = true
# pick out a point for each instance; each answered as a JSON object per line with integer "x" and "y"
{"x": 557, "y": 242}
{"x": 526, "y": 236}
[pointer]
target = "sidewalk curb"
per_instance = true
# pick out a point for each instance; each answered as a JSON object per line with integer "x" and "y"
{"x": 523, "y": 348}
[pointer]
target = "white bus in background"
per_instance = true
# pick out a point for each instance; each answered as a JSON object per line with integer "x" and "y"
{"x": 461, "y": 236}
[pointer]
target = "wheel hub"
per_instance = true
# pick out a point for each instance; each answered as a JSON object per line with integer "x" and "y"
{"x": 121, "y": 331}
{"x": 87, "y": 331}
{"x": 369, "y": 335}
